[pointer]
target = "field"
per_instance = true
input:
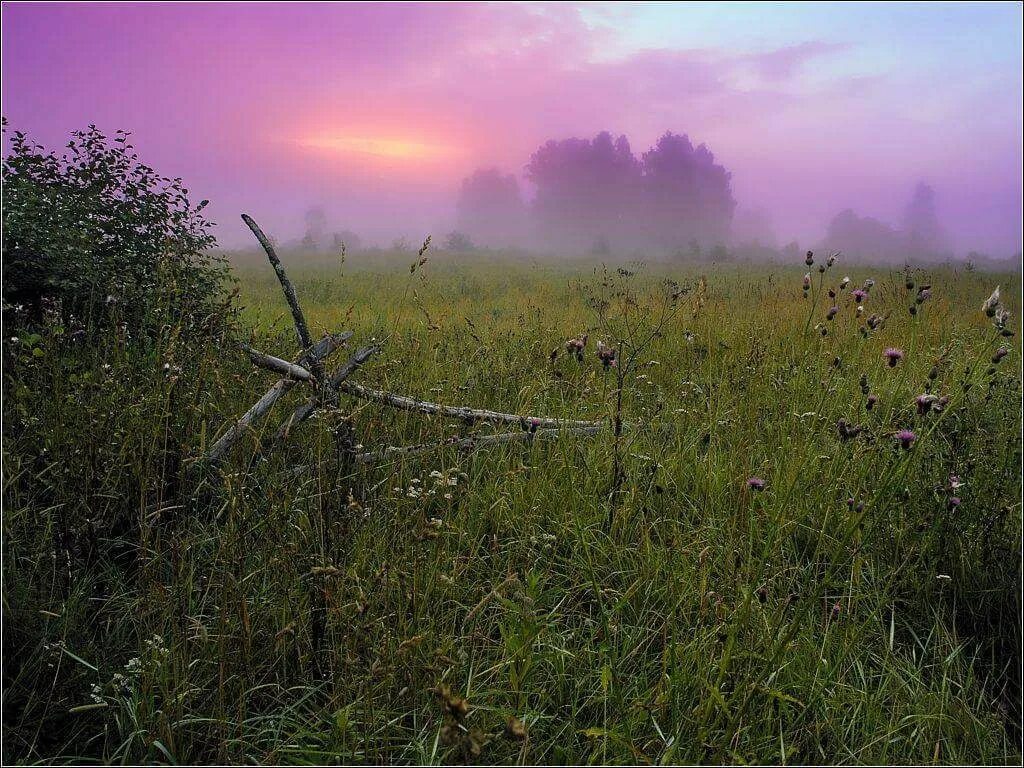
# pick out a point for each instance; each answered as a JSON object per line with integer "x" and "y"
{"x": 760, "y": 568}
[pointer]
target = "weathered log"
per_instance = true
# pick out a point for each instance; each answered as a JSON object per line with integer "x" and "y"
{"x": 321, "y": 350}
{"x": 289, "y": 292}
{"x": 473, "y": 442}
{"x": 469, "y": 415}
{"x": 277, "y": 365}
{"x": 304, "y": 411}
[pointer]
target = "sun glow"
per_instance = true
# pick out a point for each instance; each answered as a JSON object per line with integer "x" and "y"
{"x": 389, "y": 148}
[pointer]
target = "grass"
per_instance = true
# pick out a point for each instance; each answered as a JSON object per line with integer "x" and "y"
{"x": 341, "y": 616}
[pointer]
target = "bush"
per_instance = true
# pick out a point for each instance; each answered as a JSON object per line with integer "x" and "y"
{"x": 95, "y": 233}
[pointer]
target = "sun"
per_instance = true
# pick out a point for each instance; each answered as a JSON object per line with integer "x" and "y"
{"x": 388, "y": 148}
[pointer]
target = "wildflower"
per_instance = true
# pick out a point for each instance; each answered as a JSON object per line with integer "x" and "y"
{"x": 893, "y": 356}
{"x": 832, "y": 312}
{"x": 874, "y": 321}
{"x": 953, "y": 503}
{"x": 836, "y": 610}
{"x": 1002, "y": 317}
{"x": 924, "y": 403}
{"x": 872, "y": 400}
{"x": 989, "y": 307}
{"x": 607, "y": 355}
{"x": 859, "y": 294}
{"x": 860, "y": 310}
{"x": 844, "y": 282}
{"x": 809, "y": 260}
{"x": 832, "y": 258}
{"x": 755, "y": 483}
{"x": 869, "y": 284}
{"x": 807, "y": 281}
{"x": 846, "y": 430}
{"x": 906, "y": 438}
{"x": 575, "y": 346}
{"x": 1000, "y": 354}
{"x": 923, "y": 294}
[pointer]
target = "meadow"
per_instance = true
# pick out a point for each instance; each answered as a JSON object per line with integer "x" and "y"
{"x": 800, "y": 549}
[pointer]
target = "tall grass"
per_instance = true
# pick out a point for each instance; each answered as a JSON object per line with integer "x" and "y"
{"x": 849, "y": 611}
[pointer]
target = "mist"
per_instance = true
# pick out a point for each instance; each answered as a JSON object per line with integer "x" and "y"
{"x": 663, "y": 131}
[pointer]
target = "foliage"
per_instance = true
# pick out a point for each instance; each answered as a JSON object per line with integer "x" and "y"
{"x": 94, "y": 230}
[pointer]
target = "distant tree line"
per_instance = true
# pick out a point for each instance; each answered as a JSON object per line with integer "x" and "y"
{"x": 595, "y": 195}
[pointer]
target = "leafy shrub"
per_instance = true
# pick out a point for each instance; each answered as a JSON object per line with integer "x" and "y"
{"x": 95, "y": 230}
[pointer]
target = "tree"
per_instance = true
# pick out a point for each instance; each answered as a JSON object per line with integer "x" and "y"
{"x": 490, "y": 208}
{"x": 863, "y": 237}
{"x": 687, "y": 196}
{"x": 95, "y": 230}
{"x": 924, "y": 234}
{"x": 457, "y": 242}
{"x": 347, "y": 238}
{"x": 316, "y": 228}
{"x": 586, "y": 190}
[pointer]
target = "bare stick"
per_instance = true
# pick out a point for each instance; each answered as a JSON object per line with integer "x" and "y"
{"x": 304, "y": 411}
{"x": 320, "y": 350}
{"x": 289, "y": 291}
{"x": 276, "y": 364}
{"x": 469, "y": 415}
{"x": 473, "y": 442}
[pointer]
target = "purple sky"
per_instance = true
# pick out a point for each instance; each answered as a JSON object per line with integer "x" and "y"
{"x": 376, "y": 112}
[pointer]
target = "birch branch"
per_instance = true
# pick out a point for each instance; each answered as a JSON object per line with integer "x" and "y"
{"x": 276, "y": 364}
{"x": 469, "y": 415}
{"x": 304, "y": 411}
{"x": 289, "y": 292}
{"x": 321, "y": 350}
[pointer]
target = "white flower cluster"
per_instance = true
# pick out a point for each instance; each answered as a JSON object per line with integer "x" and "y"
{"x": 436, "y": 484}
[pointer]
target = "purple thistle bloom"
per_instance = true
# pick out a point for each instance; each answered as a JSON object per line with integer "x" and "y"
{"x": 1000, "y": 354}
{"x": 924, "y": 403}
{"x": 906, "y": 438}
{"x": 953, "y": 503}
{"x": 832, "y": 312}
{"x": 893, "y": 356}
{"x": 859, "y": 295}
{"x": 810, "y": 258}
{"x": 755, "y": 483}
{"x": 872, "y": 399}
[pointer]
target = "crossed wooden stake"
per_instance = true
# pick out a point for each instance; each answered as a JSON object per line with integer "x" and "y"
{"x": 309, "y": 369}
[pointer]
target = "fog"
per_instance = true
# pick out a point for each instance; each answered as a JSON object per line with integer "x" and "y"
{"x": 668, "y": 131}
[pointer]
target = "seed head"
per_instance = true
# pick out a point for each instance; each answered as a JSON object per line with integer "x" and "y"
{"x": 989, "y": 307}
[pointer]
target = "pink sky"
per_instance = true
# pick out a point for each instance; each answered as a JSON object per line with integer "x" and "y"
{"x": 376, "y": 112}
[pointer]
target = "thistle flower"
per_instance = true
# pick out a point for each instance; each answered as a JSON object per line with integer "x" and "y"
{"x": 607, "y": 355}
{"x": 924, "y": 403}
{"x": 809, "y": 260}
{"x": 869, "y": 284}
{"x": 844, "y": 282}
{"x": 952, "y": 503}
{"x": 906, "y": 438}
{"x": 807, "y": 281}
{"x": 923, "y": 294}
{"x": 893, "y": 356}
{"x": 999, "y": 355}
{"x": 1002, "y": 317}
{"x": 832, "y": 312}
{"x": 955, "y": 482}
{"x": 872, "y": 400}
{"x": 859, "y": 294}
{"x": 989, "y": 307}
{"x": 832, "y": 258}
{"x": 756, "y": 483}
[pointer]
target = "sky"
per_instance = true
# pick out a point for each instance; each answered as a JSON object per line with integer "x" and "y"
{"x": 377, "y": 111}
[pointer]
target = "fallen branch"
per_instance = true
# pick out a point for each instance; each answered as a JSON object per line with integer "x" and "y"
{"x": 277, "y": 365}
{"x": 473, "y": 442}
{"x": 469, "y": 415}
{"x": 337, "y": 378}
{"x": 319, "y": 351}
{"x": 289, "y": 292}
